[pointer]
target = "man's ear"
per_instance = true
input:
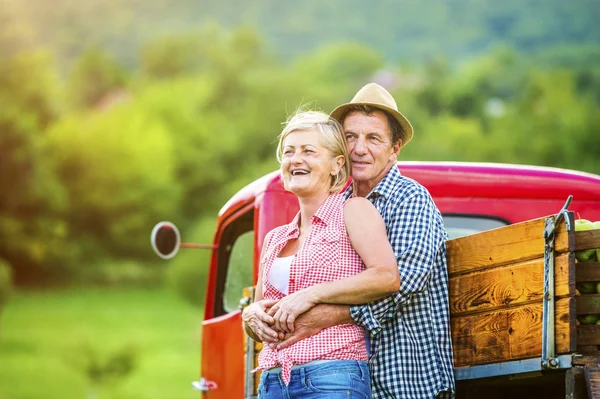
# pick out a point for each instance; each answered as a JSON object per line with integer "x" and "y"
{"x": 395, "y": 150}
{"x": 338, "y": 163}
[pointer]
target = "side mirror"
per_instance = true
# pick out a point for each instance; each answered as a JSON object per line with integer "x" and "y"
{"x": 165, "y": 240}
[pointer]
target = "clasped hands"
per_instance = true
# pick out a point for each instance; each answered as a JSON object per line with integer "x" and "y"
{"x": 273, "y": 321}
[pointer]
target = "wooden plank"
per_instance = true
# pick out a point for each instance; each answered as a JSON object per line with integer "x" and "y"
{"x": 575, "y": 386}
{"x": 589, "y": 271}
{"x": 586, "y": 360}
{"x": 588, "y": 335}
{"x": 592, "y": 376}
{"x": 588, "y": 304}
{"x": 510, "y": 334}
{"x": 590, "y": 350}
{"x": 509, "y": 285}
{"x": 587, "y": 239}
{"x": 515, "y": 243}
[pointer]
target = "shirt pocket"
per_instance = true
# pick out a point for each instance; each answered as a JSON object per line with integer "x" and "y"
{"x": 324, "y": 254}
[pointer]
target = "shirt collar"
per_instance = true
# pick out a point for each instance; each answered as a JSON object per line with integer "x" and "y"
{"x": 383, "y": 188}
{"x": 292, "y": 230}
{"x": 324, "y": 214}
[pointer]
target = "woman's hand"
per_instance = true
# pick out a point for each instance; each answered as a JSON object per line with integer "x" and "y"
{"x": 255, "y": 316}
{"x": 290, "y": 307}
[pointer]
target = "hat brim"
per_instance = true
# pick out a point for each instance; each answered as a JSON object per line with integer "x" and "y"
{"x": 340, "y": 111}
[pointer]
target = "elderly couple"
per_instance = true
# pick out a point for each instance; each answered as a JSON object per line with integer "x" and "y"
{"x": 368, "y": 259}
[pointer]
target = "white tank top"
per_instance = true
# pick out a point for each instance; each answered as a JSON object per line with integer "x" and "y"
{"x": 279, "y": 275}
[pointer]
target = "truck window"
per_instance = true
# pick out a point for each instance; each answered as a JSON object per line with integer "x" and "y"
{"x": 464, "y": 225}
{"x": 235, "y": 261}
{"x": 239, "y": 272}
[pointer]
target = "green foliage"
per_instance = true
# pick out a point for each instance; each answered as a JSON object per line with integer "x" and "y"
{"x": 118, "y": 168}
{"x": 6, "y": 285}
{"x": 95, "y": 75}
{"x": 29, "y": 220}
{"x": 498, "y": 109}
{"x": 400, "y": 30}
{"x": 172, "y": 56}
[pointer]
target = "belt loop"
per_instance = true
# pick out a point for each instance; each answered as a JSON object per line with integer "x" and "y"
{"x": 264, "y": 376}
{"x": 361, "y": 367}
{"x": 281, "y": 382}
{"x": 303, "y": 376}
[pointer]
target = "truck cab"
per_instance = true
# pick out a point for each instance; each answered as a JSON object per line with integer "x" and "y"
{"x": 472, "y": 197}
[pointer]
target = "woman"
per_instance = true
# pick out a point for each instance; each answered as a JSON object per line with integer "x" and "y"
{"x": 316, "y": 258}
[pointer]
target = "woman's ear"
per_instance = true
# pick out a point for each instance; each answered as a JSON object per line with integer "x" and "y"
{"x": 338, "y": 163}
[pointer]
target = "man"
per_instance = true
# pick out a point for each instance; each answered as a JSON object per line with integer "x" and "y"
{"x": 410, "y": 343}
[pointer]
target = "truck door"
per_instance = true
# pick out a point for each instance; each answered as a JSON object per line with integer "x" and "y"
{"x": 222, "y": 365}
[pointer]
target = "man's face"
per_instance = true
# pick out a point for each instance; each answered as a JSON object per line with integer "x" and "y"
{"x": 370, "y": 146}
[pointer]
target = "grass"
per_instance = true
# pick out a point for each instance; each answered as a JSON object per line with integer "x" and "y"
{"x": 47, "y": 337}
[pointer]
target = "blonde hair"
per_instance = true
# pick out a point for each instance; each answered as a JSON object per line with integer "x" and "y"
{"x": 331, "y": 136}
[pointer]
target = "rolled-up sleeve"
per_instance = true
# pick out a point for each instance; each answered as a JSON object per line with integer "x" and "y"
{"x": 416, "y": 238}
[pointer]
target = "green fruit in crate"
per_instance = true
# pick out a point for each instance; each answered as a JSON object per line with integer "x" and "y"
{"x": 587, "y": 255}
{"x": 597, "y": 288}
{"x": 588, "y": 319}
{"x": 598, "y": 323}
{"x": 587, "y": 288}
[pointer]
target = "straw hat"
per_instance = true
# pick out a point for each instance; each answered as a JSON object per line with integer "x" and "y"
{"x": 378, "y": 97}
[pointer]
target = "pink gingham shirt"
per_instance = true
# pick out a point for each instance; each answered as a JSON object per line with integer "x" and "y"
{"x": 326, "y": 255}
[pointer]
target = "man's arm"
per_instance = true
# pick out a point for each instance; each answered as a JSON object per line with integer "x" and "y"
{"x": 312, "y": 322}
{"x": 417, "y": 239}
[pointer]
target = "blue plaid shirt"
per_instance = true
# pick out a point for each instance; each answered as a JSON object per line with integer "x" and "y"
{"x": 409, "y": 331}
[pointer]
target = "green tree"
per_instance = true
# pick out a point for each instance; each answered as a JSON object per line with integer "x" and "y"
{"x": 95, "y": 75}
{"x": 118, "y": 171}
{"x": 30, "y": 225}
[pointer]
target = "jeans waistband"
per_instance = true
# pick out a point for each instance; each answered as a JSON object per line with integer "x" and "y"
{"x": 277, "y": 370}
{"x": 319, "y": 366}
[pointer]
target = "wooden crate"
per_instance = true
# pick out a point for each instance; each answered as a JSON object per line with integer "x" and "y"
{"x": 496, "y": 293}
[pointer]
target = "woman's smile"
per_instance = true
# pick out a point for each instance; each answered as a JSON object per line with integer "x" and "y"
{"x": 306, "y": 166}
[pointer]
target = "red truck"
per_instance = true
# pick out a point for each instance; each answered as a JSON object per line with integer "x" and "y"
{"x": 473, "y": 198}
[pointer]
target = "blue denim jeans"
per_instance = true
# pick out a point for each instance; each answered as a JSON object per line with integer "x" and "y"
{"x": 347, "y": 379}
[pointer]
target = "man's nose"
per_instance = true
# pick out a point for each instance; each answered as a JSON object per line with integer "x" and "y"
{"x": 360, "y": 146}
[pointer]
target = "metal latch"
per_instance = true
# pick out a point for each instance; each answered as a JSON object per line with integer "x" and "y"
{"x": 204, "y": 385}
{"x": 549, "y": 360}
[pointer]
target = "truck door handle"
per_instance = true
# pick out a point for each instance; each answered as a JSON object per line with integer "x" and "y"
{"x": 204, "y": 385}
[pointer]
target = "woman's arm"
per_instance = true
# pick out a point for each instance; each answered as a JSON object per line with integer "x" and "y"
{"x": 368, "y": 236}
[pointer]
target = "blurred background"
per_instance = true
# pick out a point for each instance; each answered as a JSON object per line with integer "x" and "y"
{"x": 116, "y": 114}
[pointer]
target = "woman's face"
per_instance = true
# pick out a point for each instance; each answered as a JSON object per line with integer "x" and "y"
{"x": 306, "y": 166}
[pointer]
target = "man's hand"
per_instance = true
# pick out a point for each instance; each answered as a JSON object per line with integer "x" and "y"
{"x": 312, "y": 322}
{"x": 256, "y": 318}
{"x": 286, "y": 311}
